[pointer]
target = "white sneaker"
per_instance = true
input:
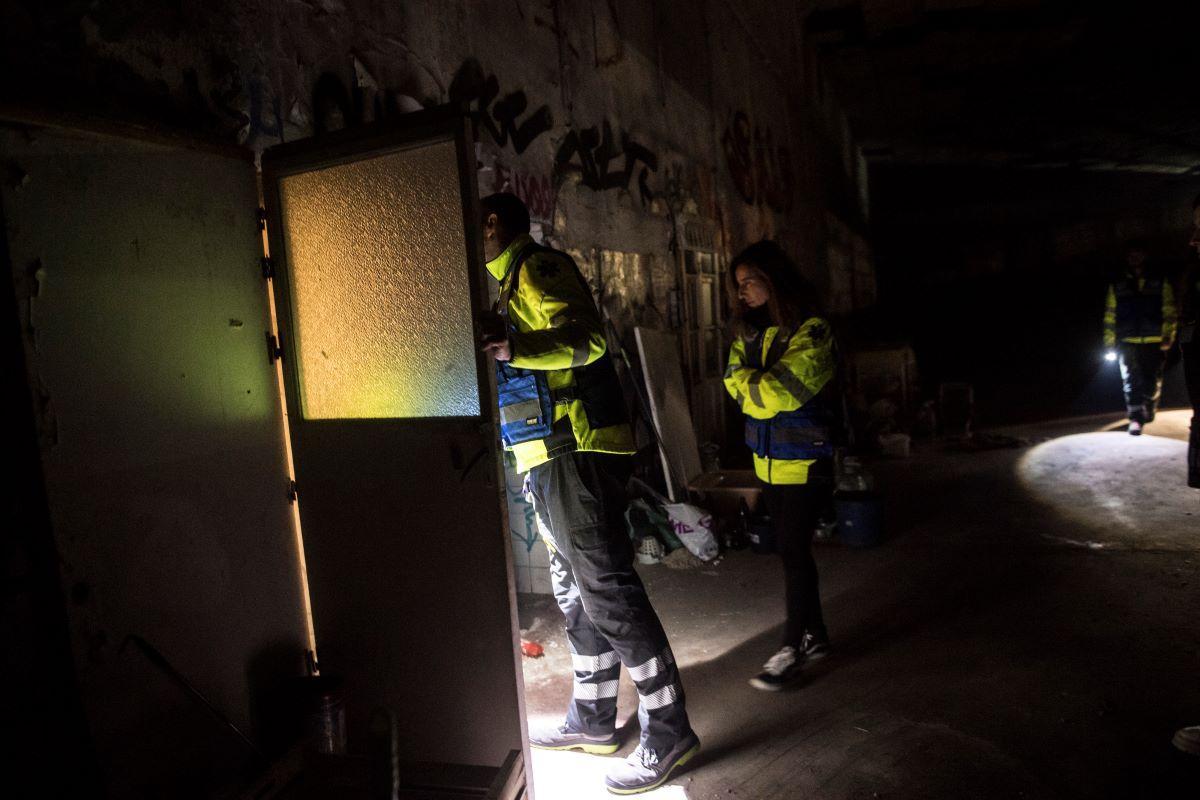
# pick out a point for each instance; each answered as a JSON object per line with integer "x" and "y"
{"x": 1188, "y": 740}
{"x": 780, "y": 670}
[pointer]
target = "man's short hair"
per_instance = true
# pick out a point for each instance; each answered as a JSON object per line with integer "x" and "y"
{"x": 508, "y": 208}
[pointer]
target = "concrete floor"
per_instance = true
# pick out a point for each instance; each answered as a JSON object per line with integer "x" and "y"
{"x": 1025, "y": 632}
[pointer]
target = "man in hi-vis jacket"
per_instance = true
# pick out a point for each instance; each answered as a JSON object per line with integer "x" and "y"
{"x": 563, "y": 416}
{"x": 1139, "y": 324}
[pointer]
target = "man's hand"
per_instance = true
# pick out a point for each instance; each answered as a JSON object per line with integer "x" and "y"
{"x": 501, "y": 351}
{"x": 493, "y": 335}
{"x": 1166, "y": 344}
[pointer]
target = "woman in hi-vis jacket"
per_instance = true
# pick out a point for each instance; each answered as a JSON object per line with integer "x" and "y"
{"x": 781, "y": 370}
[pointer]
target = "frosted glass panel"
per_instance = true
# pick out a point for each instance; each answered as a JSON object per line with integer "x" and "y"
{"x": 377, "y": 264}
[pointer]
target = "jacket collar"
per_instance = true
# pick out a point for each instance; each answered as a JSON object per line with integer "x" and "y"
{"x": 501, "y": 264}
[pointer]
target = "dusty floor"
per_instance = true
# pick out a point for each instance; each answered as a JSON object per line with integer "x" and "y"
{"x": 1024, "y": 632}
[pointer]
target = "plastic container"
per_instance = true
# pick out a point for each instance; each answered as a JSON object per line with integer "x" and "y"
{"x": 860, "y": 518}
{"x": 649, "y": 550}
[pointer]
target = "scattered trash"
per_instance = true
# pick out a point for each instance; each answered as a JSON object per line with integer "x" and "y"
{"x": 762, "y": 536}
{"x": 682, "y": 559}
{"x": 852, "y": 476}
{"x": 735, "y": 533}
{"x": 694, "y": 527}
{"x": 644, "y": 519}
{"x": 531, "y": 649}
{"x": 826, "y": 528}
{"x": 650, "y": 550}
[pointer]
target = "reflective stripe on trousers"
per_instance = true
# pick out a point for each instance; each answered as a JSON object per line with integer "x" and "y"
{"x": 579, "y": 499}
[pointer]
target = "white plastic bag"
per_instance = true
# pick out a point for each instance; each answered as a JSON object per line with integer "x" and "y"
{"x": 694, "y": 527}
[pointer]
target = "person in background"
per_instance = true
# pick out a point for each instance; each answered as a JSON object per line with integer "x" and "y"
{"x": 1139, "y": 324}
{"x": 563, "y": 416}
{"x": 1188, "y": 739}
{"x": 781, "y": 373}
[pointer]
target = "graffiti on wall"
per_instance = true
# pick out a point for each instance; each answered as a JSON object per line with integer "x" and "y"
{"x": 522, "y": 520}
{"x": 604, "y": 161}
{"x": 479, "y": 90}
{"x": 602, "y": 156}
{"x": 761, "y": 170}
{"x": 536, "y": 191}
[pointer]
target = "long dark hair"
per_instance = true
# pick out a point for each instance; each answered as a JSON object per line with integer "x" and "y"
{"x": 793, "y": 299}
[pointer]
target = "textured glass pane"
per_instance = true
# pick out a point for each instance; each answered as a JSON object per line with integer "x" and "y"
{"x": 379, "y": 287}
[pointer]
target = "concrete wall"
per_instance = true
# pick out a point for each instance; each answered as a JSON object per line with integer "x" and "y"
{"x": 623, "y": 124}
{"x": 611, "y": 118}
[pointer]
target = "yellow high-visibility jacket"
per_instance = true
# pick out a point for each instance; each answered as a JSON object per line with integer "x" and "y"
{"x": 1170, "y": 317}
{"x": 556, "y": 327}
{"x": 800, "y": 373}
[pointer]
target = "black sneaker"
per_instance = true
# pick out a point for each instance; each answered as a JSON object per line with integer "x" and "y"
{"x": 780, "y": 670}
{"x": 1135, "y": 428}
{"x": 645, "y": 769}
{"x": 814, "y": 646}
{"x": 563, "y": 738}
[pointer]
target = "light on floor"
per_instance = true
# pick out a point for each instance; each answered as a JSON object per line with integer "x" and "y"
{"x": 565, "y": 775}
{"x": 1112, "y": 490}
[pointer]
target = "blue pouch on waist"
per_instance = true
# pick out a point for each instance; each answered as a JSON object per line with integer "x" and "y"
{"x": 526, "y": 405}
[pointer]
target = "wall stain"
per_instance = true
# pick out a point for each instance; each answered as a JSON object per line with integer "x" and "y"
{"x": 761, "y": 171}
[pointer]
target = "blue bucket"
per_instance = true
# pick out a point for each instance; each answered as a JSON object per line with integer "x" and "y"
{"x": 859, "y": 518}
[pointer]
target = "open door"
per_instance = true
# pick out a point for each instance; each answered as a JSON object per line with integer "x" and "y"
{"x": 135, "y": 263}
{"x": 374, "y": 236}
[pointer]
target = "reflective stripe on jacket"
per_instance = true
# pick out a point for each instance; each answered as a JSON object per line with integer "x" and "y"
{"x": 1139, "y": 311}
{"x": 784, "y": 394}
{"x": 555, "y": 328}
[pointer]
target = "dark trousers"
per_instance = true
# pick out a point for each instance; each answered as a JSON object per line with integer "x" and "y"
{"x": 580, "y": 503}
{"x": 1191, "y": 374}
{"x": 1141, "y": 378}
{"x": 795, "y": 510}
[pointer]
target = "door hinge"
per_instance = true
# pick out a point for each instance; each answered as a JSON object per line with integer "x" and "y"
{"x": 291, "y": 491}
{"x": 274, "y": 350}
{"x": 262, "y": 218}
{"x": 268, "y": 267}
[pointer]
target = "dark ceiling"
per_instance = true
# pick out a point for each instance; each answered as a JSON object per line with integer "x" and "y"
{"x": 1028, "y": 83}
